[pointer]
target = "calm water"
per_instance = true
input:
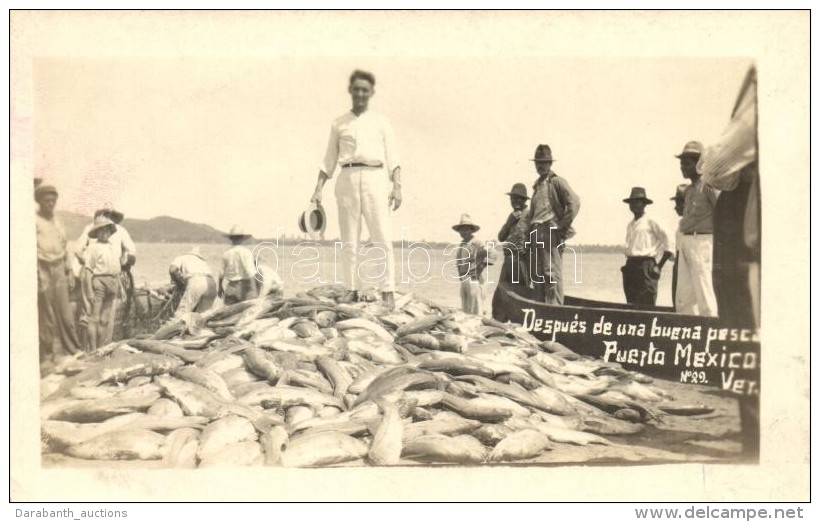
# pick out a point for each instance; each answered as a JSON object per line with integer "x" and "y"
{"x": 591, "y": 276}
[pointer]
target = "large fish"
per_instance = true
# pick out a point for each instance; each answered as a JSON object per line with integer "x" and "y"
{"x": 336, "y": 374}
{"x": 165, "y": 408}
{"x": 246, "y": 453}
{"x": 380, "y": 352}
{"x": 422, "y": 324}
{"x": 605, "y": 425}
{"x": 238, "y": 376}
{"x": 274, "y": 443}
{"x": 377, "y": 329}
{"x": 121, "y": 445}
{"x": 286, "y": 396}
{"x": 119, "y": 369}
{"x": 457, "y": 366}
{"x": 471, "y": 409}
{"x": 555, "y": 433}
{"x": 518, "y": 394}
{"x": 97, "y": 410}
{"x": 163, "y": 348}
{"x": 323, "y": 449}
{"x": 222, "y": 432}
{"x": 439, "y": 426}
{"x": 491, "y": 434}
{"x": 462, "y": 449}
{"x": 309, "y": 351}
{"x": 223, "y": 362}
{"x": 180, "y": 448}
{"x": 501, "y": 403}
{"x": 520, "y": 445}
{"x": 207, "y": 379}
{"x": 399, "y": 379}
{"x": 258, "y": 362}
{"x": 385, "y": 449}
{"x": 296, "y": 414}
{"x": 308, "y": 379}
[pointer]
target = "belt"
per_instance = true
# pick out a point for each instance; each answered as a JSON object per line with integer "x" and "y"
{"x": 348, "y": 165}
{"x": 696, "y": 233}
{"x": 639, "y": 258}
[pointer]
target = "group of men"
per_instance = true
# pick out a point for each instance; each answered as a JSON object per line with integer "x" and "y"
{"x": 102, "y": 259}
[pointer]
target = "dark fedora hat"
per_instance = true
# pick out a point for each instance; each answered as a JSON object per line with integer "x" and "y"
{"x": 638, "y": 193}
{"x": 543, "y": 153}
{"x": 519, "y": 189}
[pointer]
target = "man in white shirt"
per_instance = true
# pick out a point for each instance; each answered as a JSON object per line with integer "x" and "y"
{"x": 102, "y": 261}
{"x": 237, "y": 280}
{"x": 645, "y": 241}
{"x": 362, "y": 143}
{"x": 191, "y": 273}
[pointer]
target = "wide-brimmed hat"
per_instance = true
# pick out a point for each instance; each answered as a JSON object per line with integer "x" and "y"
{"x": 42, "y": 190}
{"x": 115, "y": 215}
{"x": 466, "y": 222}
{"x": 638, "y": 194}
{"x": 692, "y": 148}
{"x": 519, "y": 189}
{"x": 679, "y": 191}
{"x": 313, "y": 221}
{"x": 543, "y": 153}
{"x": 237, "y": 232}
{"x": 100, "y": 222}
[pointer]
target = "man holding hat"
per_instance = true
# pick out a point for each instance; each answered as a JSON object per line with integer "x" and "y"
{"x": 645, "y": 239}
{"x": 553, "y": 208}
{"x": 513, "y": 236}
{"x": 237, "y": 279}
{"x": 362, "y": 143}
{"x": 56, "y": 325}
{"x": 694, "y": 294}
{"x": 473, "y": 258}
{"x": 101, "y": 261}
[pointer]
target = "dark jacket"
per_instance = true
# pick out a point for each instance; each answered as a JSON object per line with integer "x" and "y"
{"x": 564, "y": 201}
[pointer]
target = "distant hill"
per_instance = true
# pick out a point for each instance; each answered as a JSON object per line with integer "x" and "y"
{"x": 163, "y": 229}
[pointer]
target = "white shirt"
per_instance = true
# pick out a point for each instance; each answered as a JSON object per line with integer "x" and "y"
{"x": 102, "y": 258}
{"x": 238, "y": 264}
{"x": 190, "y": 265}
{"x": 121, "y": 240}
{"x": 367, "y": 139}
{"x": 645, "y": 238}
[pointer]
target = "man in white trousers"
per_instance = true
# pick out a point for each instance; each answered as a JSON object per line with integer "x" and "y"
{"x": 362, "y": 144}
{"x": 695, "y": 294}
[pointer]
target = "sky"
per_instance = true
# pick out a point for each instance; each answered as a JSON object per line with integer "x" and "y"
{"x": 238, "y": 139}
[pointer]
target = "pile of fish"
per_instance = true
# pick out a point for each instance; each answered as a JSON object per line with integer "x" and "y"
{"x": 313, "y": 381}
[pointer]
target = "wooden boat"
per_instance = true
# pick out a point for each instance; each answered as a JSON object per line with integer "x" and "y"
{"x": 652, "y": 340}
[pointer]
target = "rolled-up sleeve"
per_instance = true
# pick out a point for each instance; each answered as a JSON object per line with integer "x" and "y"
{"x": 332, "y": 153}
{"x": 391, "y": 153}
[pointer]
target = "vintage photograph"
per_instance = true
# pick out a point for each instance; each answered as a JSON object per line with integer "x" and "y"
{"x": 247, "y": 257}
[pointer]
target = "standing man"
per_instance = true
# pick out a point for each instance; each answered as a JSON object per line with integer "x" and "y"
{"x": 515, "y": 275}
{"x": 193, "y": 277}
{"x": 679, "y": 200}
{"x": 237, "y": 278}
{"x": 695, "y": 295}
{"x": 102, "y": 260}
{"x": 57, "y": 334}
{"x": 473, "y": 258}
{"x": 553, "y": 208}
{"x": 645, "y": 240}
{"x": 362, "y": 143}
{"x": 122, "y": 243}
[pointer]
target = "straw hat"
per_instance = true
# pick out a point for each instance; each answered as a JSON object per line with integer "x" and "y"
{"x": 237, "y": 232}
{"x": 115, "y": 215}
{"x": 313, "y": 221}
{"x": 100, "y": 222}
{"x": 693, "y": 148}
{"x": 466, "y": 222}
{"x": 638, "y": 194}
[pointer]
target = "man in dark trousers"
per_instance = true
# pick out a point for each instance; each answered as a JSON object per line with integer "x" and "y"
{"x": 553, "y": 208}
{"x": 514, "y": 272}
{"x": 645, "y": 240}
